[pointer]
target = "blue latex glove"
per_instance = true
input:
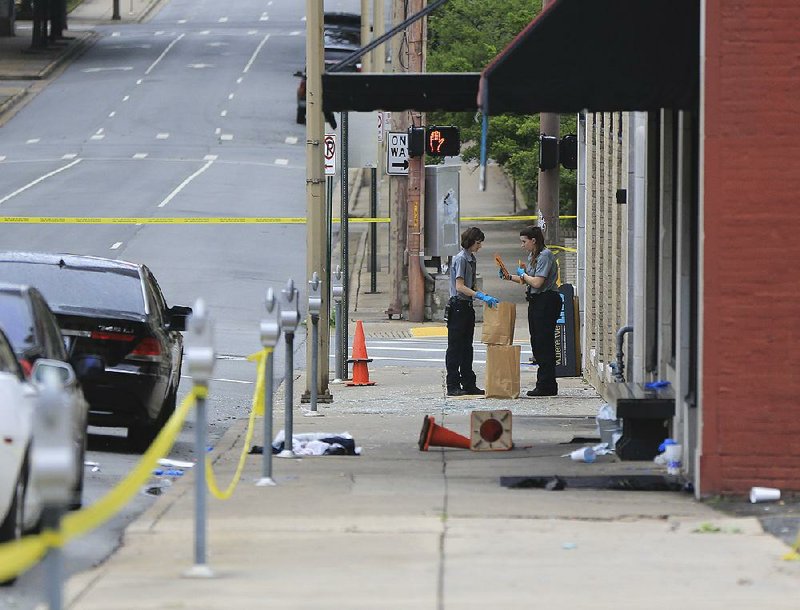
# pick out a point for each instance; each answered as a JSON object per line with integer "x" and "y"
{"x": 500, "y": 274}
{"x": 487, "y": 298}
{"x": 520, "y": 271}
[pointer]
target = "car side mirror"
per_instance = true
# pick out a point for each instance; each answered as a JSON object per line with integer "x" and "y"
{"x": 177, "y": 316}
{"x": 300, "y": 74}
{"x": 45, "y": 369}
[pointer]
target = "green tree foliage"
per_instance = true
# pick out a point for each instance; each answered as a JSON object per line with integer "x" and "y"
{"x": 464, "y": 36}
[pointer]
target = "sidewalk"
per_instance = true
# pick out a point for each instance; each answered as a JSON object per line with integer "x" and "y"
{"x": 22, "y": 67}
{"x": 397, "y": 528}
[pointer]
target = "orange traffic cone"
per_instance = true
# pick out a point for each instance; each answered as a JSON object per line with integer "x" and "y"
{"x": 359, "y": 359}
{"x": 434, "y": 435}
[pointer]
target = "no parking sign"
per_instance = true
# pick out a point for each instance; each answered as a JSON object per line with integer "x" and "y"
{"x": 330, "y": 154}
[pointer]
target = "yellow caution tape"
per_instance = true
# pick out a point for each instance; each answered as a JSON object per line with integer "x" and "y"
{"x": 257, "y": 410}
{"x": 19, "y": 555}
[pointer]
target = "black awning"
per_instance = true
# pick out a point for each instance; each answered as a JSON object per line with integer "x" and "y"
{"x": 600, "y": 55}
{"x": 422, "y": 92}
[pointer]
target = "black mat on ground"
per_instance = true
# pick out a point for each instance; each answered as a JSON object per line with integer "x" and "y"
{"x": 643, "y": 482}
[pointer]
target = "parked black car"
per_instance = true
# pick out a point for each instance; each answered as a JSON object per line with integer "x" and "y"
{"x": 33, "y": 333}
{"x": 341, "y": 37}
{"x": 112, "y": 310}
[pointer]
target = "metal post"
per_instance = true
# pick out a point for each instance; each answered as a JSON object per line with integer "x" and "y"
{"x": 343, "y": 239}
{"x": 290, "y": 318}
{"x": 54, "y": 560}
{"x": 314, "y": 306}
{"x": 329, "y": 242}
{"x": 115, "y": 15}
{"x": 270, "y": 333}
{"x": 336, "y": 281}
{"x": 200, "y": 359}
{"x": 373, "y": 231}
{"x": 53, "y": 465}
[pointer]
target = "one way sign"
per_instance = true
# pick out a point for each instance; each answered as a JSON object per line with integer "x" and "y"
{"x": 397, "y": 153}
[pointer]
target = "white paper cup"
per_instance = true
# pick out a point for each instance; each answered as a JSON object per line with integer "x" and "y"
{"x": 673, "y": 454}
{"x": 586, "y": 454}
{"x": 764, "y": 494}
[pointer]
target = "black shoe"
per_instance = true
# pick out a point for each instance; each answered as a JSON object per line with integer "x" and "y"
{"x": 540, "y": 392}
{"x": 474, "y": 391}
{"x": 456, "y": 392}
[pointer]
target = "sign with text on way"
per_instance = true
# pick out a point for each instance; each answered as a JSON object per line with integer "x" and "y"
{"x": 397, "y": 153}
{"x": 330, "y": 154}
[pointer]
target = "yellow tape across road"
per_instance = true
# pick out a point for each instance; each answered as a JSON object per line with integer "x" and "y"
{"x": 215, "y": 220}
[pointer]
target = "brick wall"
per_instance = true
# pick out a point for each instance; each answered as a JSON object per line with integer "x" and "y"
{"x": 606, "y": 232}
{"x": 751, "y": 267}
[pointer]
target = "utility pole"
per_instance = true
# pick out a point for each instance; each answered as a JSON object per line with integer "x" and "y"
{"x": 316, "y": 208}
{"x": 366, "y": 65}
{"x": 549, "y": 179}
{"x": 416, "y": 177}
{"x": 398, "y": 185}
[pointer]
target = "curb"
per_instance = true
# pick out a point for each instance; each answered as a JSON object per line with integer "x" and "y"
{"x": 72, "y": 52}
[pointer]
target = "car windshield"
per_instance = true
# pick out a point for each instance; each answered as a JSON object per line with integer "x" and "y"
{"x": 16, "y": 321}
{"x": 86, "y": 288}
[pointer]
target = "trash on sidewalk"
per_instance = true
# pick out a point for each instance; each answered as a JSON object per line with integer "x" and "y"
{"x": 584, "y": 454}
{"x": 173, "y": 472}
{"x": 156, "y": 488}
{"x": 608, "y": 426}
{"x": 764, "y": 494}
{"x": 175, "y": 463}
{"x": 95, "y": 466}
{"x": 314, "y": 444}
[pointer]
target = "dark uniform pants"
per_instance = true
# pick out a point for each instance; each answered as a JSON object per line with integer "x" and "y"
{"x": 460, "y": 332}
{"x": 543, "y": 312}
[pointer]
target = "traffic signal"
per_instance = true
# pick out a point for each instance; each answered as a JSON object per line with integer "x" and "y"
{"x": 568, "y": 151}
{"x": 416, "y": 141}
{"x": 548, "y": 152}
{"x": 442, "y": 141}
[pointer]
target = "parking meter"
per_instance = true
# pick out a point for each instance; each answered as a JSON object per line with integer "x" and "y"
{"x": 270, "y": 325}
{"x": 290, "y": 318}
{"x": 270, "y": 334}
{"x": 53, "y": 457}
{"x": 200, "y": 354}
{"x": 289, "y": 308}
{"x": 337, "y": 284}
{"x": 314, "y": 295}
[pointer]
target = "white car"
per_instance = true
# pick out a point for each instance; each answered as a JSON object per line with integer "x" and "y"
{"x": 20, "y": 504}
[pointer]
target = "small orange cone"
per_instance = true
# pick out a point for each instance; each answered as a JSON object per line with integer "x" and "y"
{"x": 359, "y": 359}
{"x": 434, "y": 435}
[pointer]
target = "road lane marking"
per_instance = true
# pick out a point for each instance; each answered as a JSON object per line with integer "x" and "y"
{"x": 112, "y": 114}
{"x": 139, "y": 82}
{"x": 295, "y": 33}
{"x": 98, "y": 136}
{"x": 162, "y": 136}
{"x": 67, "y": 156}
{"x": 33, "y": 141}
{"x": 239, "y": 80}
{"x": 218, "y": 131}
{"x": 115, "y": 69}
{"x": 116, "y": 245}
{"x": 291, "y": 140}
{"x": 226, "y": 137}
{"x": 140, "y": 156}
{"x": 210, "y": 158}
{"x": 204, "y": 32}
{"x": 255, "y": 54}
{"x": 223, "y": 20}
{"x": 38, "y": 180}
{"x": 223, "y": 113}
{"x": 231, "y": 96}
{"x": 2, "y": 157}
{"x": 181, "y": 21}
{"x": 126, "y": 98}
{"x": 160, "y": 57}
{"x": 223, "y": 380}
{"x": 264, "y": 17}
{"x": 281, "y": 161}
{"x": 183, "y": 184}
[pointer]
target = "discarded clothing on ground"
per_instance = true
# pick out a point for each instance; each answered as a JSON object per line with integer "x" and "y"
{"x": 314, "y": 443}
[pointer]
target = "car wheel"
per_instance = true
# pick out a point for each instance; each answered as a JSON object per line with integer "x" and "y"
{"x": 13, "y": 524}
{"x": 301, "y": 116}
{"x": 140, "y": 436}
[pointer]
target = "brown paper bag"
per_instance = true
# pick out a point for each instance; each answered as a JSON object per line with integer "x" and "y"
{"x": 502, "y": 371}
{"x": 498, "y": 324}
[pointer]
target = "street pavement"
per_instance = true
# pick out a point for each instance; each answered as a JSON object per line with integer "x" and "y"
{"x": 400, "y": 528}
